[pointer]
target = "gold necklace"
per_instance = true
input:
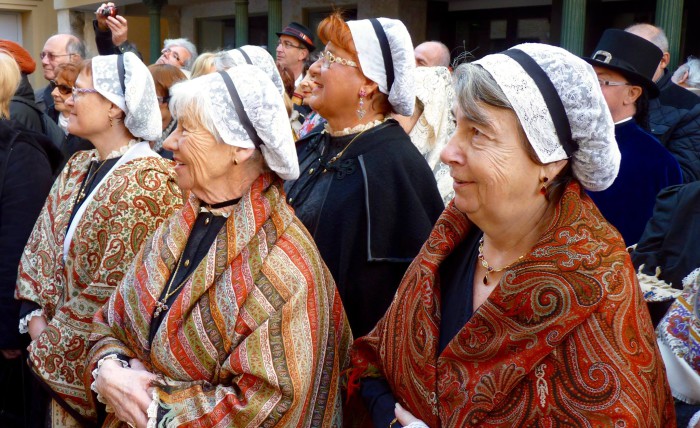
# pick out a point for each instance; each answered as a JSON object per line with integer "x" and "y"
{"x": 342, "y": 152}
{"x": 488, "y": 268}
{"x": 81, "y": 194}
{"x": 161, "y": 305}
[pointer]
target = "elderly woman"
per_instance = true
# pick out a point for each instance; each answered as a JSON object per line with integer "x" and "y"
{"x": 100, "y": 211}
{"x": 66, "y": 74}
{"x": 164, "y": 77}
{"x": 229, "y": 316}
{"x": 432, "y": 123}
{"x": 365, "y": 193}
{"x": 522, "y": 308}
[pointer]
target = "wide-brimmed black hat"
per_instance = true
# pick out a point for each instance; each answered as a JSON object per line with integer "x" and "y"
{"x": 630, "y": 55}
{"x": 300, "y": 33}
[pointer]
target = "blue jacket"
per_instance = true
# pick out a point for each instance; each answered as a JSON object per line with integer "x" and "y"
{"x": 646, "y": 168}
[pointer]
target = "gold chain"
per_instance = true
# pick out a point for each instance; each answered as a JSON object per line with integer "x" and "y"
{"x": 342, "y": 152}
{"x": 488, "y": 268}
{"x": 87, "y": 182}
{"x": 161, "y": 304}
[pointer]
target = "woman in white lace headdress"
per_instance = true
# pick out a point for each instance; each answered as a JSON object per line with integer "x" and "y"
{"x": 101, "y": 209}
{"x": 432, "y": 123}
{"x": 522, "y": 308}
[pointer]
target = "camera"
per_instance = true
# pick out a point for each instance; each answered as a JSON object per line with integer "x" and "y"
{"x": 109, "y": 11}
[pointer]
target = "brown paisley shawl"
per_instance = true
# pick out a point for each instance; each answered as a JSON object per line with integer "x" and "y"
{"x": 564, "y": 339}
{"x": 258, "y": 335}
{"x": 129, "y": 206}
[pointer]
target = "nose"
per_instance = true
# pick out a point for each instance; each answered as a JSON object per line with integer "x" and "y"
{"x": 45, "y": 60}
{"x": 451, "y": 154}
{"x": 68, "y": 101}
{"x": 170, "y": 143}
{"x": 315, "y": 69}
{"x": 55, "y": 93}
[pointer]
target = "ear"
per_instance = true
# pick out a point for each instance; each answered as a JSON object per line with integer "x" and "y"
{"x": 633, "y": 92}
{"x": 665, "y": 59}
{"x": 552, "y": 169}
{"x": 369, "y": 87}
{"x": 115, "y": 112}
{"x": 241, "y": 154}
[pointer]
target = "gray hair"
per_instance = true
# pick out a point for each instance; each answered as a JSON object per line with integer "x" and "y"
{"x": 654, "y": 34}
{"x": 186, "y": 101}
{"x": 474, "y": 85}
{"x": 184, "y": 43}
{"x": 692, "y": 67}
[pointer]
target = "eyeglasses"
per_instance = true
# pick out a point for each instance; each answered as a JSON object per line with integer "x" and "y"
{"x": 163, "y": 100}
{"x": 52, "y": 56}
{"x": 610, "y": 83}
{"x": 328, "y": 58}
{"x": 287, "y": 44}
{"x": 78, "y": 92}
{"x": 63, "y": 89}
{"x": 168, "y": 51}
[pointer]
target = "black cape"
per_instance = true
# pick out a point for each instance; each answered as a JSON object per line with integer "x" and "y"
{"x": 369, "y": 213}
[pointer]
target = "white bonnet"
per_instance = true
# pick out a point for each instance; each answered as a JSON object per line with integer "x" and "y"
{"x": 263, "y": 108}
{"x": 374, "y": 38}
{"x": 136, "y": 98}
{"x": 259, "y": 57}
{"x": 572, "y": 85}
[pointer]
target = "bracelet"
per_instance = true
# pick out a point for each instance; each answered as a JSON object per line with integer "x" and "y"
{"x": 393, "y": 421}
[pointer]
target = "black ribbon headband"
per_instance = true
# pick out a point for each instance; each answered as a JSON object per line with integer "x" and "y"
{"x": 386, "y": 53}
{"x": 242, "y": 115}
{"x": 245, "y": 56}
{"x": 551, "y": 98}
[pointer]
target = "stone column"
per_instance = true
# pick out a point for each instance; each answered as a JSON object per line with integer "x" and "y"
{"x": 154, "y": 7}
{"x": 241, "y": 23}
{"x": 274, "y": 24}
{"x": 669, "y": 16}
{"x": 573, "y": 25}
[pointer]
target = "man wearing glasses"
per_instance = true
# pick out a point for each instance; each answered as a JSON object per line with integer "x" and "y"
{"x": 624, "y": 64}
{"x": 294, "y": 45}
{"x": 58, "y": 49}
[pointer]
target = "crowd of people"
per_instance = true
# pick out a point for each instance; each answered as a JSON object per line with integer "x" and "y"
{"x": 355, "y": 234}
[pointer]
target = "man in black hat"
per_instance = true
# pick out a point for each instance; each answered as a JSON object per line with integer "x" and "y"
{"x": 675, "y": 115}
{"x": 294, "y": 45}
{"x": 625, "y": 65}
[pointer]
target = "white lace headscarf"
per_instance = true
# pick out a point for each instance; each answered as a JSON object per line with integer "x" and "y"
{"x": 369, "y": 51}
{"x": 138, "y": 98}
{"x": 597, "y": 160}
{"x": 262, "y": 104}
{"x": 260, "y": 58}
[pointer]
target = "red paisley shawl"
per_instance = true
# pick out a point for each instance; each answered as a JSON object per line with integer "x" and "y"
{"x": 258, "y": 335}
{"x": 130, "y": 205}
{"x": 565, "y": 338}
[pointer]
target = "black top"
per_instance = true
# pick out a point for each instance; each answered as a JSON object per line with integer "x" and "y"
{"x": 369, "y": 212}
{"x": 206, "y": 227}
{"x": 456, "y": 276}
{"x": 97, "y": 170}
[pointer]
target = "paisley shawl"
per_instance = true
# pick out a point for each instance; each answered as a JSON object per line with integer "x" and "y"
{"x": 257, "y": 336}
{"x": 563, "y": 340}
{"x": 133, "y": 201}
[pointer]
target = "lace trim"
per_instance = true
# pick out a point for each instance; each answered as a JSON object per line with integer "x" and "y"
{"x": 96, "y": 373}
{"x": 117, "y": 153}
{"x": 152, "y": 411}
{"x": 355, "y": 129}
{"x": 24, "y": 322}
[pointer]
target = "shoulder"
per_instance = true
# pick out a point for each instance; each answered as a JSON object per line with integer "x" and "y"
{"x": 678, "y": 97}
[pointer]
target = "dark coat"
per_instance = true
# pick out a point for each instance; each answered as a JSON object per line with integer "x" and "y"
{"x": 369, "y": 214}
{"x": 674, "y": 118}
{"x": 645, "y": 169}
{"x": 27, "y": 164}
{"x": 23, "y": 113}
{"x": 44, "y": 100}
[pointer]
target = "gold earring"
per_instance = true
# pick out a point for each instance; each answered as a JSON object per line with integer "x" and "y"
{"x": 235, "y": 161}
{"x": 110, "y": 121}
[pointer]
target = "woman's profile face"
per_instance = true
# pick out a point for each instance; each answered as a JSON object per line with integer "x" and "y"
{"x": 61, "y": 93}
{"x": 201, "y": 161}
{"x": 492, "y": 172}
{"x": 337, "y": 86}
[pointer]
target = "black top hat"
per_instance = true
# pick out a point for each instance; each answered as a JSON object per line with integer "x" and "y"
{"x": 630, "y": 55}
{"x": 300, "y": 33}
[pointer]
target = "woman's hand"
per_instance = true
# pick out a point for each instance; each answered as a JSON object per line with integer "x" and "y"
{"x": 36, "y": 326}
{"x": 405, "y": 418}
{"x": 127, "y": 390}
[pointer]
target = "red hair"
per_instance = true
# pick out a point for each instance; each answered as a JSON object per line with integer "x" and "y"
{"x": 335, "y": 29}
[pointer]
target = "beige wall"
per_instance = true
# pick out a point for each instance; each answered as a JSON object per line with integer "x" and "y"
{"x": 38, "y": 24}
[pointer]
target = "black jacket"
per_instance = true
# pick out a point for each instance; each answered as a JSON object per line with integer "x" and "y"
{"x": 44, "y": 100}
{"x": 105, "y": 46}
{"x": 369, "y": 214}
{"x": 27, "y": 164}
{"x": 23, "y": 113}
{"x": 674, "y": 118}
